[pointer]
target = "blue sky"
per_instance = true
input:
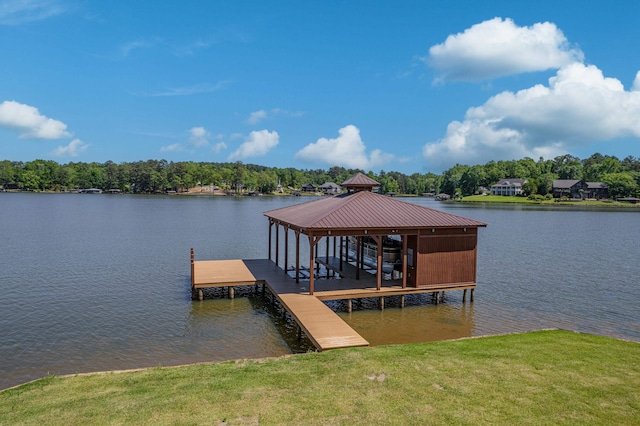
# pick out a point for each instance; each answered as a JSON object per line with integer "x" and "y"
{"x": 409, "y": 86}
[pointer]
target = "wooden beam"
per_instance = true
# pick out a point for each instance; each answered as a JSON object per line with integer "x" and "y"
{"x": 286, "y": 248}
{"x": 277, "y": 242}
{"x": 297, "y": 256}
{"x": 378, "y": 240}
{"x": 193, "y": 258}
{"x": 270, "y": 225}
{"x": 358, "y": 258}
{"x": 313, "y": 240}
{"x": 404, "y": 260}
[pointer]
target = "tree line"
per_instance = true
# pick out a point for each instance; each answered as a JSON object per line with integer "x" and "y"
{"x": 156, "y": 176}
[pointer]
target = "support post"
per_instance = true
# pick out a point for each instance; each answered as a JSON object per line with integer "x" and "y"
{"x": 270, "y": 225}
{"x": 402, "y": 301}
{"x": 349, "y": 305}
{"x": 277, "y": 243}
{"x": 378, "y": 239}
{"x": 382, "y": 303}
{"x": 472, "y": 291}
{"x": 297, "y": 256}
{"x": 312, "y": 249}
{"x": 358, "y": 249}
{"x": 200, "y": 294}
{"x": 404, "y": 260}
{"x": 193, "y": 267}
{"x": 232, "y": 292}
{"x": 326, "y": 254}
{"x": 286, "y": 248}
{"x": 464, "y": 295}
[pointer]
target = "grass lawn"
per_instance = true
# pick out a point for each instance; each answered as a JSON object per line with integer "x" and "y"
{"x": 546, "y": 377}
{"x": 524, "y": 200}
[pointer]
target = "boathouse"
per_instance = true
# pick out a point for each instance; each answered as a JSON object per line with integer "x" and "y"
{"x": 373, "y": 246}
{"x": 438, "y": 249}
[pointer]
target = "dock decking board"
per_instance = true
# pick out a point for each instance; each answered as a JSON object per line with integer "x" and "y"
{"x": 323, "y": 326}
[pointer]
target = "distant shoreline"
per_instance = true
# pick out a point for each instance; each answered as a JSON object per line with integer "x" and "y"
{"x": 516, "y": 200}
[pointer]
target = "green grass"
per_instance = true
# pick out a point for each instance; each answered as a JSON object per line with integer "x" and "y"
{"x": 547, "y": 377}
{"x": 553, "y": 202}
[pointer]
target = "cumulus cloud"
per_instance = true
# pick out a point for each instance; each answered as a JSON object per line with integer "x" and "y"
{"x": 29, "y": 123}
{"x": 73, "y": 149}
{"x": 175, "y": 147}
{"x": 18, "y": 12}
{"x": 498, "y": 47}
{"x": 636, "y": 82}
{"x": 257, "y": 116}
{"x": 199, "y": 137}
{"x": 219, "y": 147}
{"x": 257, "y": 144}
{"x": 578, "y": 107}
{"x": 347, "y": 150}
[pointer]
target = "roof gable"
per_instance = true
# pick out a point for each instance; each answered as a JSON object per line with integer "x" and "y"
{"x": 564, "y": 183}
{"x": 360, "y": 181}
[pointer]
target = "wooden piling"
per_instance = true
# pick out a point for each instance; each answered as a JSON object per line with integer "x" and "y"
{"x": 349, "y": 305}
{"x": 231, "y": 292}
{"x": 382, "y": 303}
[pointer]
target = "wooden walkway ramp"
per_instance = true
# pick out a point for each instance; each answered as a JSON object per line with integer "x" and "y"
{"x": 323, "y": 327}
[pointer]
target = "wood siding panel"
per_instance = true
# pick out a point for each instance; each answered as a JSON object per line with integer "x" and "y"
{"x": 447, "y": 257}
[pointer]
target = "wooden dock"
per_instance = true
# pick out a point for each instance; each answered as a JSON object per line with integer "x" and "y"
{"x": 322, "y": 326}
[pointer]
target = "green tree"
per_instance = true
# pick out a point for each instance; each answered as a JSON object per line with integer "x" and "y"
{"x": 621, "y": 184}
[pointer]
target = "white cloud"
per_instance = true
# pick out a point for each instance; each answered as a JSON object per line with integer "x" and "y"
{"x": 172, "y": 148}
{"x": 73, "y": 149}
{"x": 199, "y": 137}
{"x": 257, "y": 116}
{"x": 636, "y": 82}
{"x": 497, "y": 48}
{"x": 189, "y": 90}
{"x": 17, "y": 12}
{"x": 257, "y": 144}
{"x": 219, "y": 147}
{"x": 29, "y": 123}
{"x": 347, "y": 150}
{"x": 578, "y": 107}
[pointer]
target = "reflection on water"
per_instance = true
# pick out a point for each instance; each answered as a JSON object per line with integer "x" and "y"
{"x": 99, "y": 282}
{"x": 418, "y": 321}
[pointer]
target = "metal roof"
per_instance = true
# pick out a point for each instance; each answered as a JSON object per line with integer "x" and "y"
{"x": 366, "y": 210}
{"x": 360, "y": 180}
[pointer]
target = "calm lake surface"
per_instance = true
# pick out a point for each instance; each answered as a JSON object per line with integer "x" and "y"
{"x": 101, "y": 282}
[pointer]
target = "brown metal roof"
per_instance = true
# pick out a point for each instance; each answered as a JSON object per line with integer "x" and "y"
{"x": 360, "y": 181}
{"x": 366, "y": 210}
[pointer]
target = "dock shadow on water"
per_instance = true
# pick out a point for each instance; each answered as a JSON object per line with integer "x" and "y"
{"x": 420, "y": 320}
{"x": 255, "y": 319}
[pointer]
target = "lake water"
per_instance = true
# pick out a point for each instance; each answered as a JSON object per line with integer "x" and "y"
{"x": 101, "y": 282}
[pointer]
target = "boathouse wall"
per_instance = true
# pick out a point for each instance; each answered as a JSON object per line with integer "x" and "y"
{"x": 445, "y": 256}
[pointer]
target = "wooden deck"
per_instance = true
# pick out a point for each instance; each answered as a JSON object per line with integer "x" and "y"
{"x": 321, "y": 325}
